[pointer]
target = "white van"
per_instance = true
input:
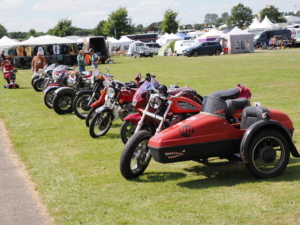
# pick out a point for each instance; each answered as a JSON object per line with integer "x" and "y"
{"x": 182, "y": 45}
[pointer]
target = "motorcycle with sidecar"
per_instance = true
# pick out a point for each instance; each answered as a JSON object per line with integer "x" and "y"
{"x": 261, "y": 139}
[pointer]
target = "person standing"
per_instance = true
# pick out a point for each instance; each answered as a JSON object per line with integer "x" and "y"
{"x": 95, "y": 59}
{"x": 81, "y": 61}
{"x": 38, "y": 62}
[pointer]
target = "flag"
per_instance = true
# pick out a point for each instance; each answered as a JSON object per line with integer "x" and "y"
{"x": 295, "y": 9}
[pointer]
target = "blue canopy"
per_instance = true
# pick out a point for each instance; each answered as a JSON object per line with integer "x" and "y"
{"x": 184, "y": 36}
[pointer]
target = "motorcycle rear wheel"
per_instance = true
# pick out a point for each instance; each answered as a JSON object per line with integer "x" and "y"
{"x": 62, "y": 103}
{"x": 38, "y": 85}
{"x": 48, "y": 98}
{"x": 127, "y": 130}
{"x": 80, "y": 107}
{"x": 100, "y": 124}
{"x": 136, "y": 155}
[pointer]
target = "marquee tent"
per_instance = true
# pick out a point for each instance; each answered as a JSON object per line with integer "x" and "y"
{"x": 266, "y": 23}
{"x": 45, "y": 40}
{"x": 292, "y": 19}
{"x": 167, "y": 38}
{"x": 74, "y": 38}
{"x": 255, "y": 24}
{"x": 6, "y": 42}
{"x": 170, "y": 45}
{"x": 212, "y": 35}
{"x": 125, "y": 42}
{"x": 184, "y": 36}
{"x": 239, "y": 41}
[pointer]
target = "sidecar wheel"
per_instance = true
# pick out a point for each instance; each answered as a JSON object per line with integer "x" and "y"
{"x": 136, "y": 155}
{"x": 90, "y": 116}
{"x": 62, "y": 103}
{"x": 48, "y": 98}
{"x": 127, "y": 130}
{"x": 80, "y": 105}
{"x": 100, "y": 124}
{"x": 268, "y": 154}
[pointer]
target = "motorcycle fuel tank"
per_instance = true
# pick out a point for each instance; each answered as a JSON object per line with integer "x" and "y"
{"x": 185, "y": 105}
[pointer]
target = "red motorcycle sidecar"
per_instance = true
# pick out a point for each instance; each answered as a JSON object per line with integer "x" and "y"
{"x": 262, "y": 140}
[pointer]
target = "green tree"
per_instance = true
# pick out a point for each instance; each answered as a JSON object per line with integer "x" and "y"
{"x": 210, "y": 18}
{"x": 219, "y": 22}
{"x": 63, "y": 28}
{"x": 98, "y": 30}
{"x": 139, "y": 28}
{"x": 273, "y": 14}
{"x": 31, "y": 32}
{"x": 3, "y": 31}
{"x": 224, "y": 16}
{"x": 240, "y": 16}
{"x": 169, "y": 24}
{"x": 118, "y": 24}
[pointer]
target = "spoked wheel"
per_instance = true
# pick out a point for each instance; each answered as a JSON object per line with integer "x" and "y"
{"x": 33, "y": 80}
{"x": 48, "y": 98}
{"x": 136, "y": 155}
{"x": 268, "y": 154}
{"x": 127, "y": 130}
{"x": 62, "y": 103}
{"x": 80, "y": 105}
{"x": 38, "y": 85}
{"x": 100, "y": 124}
{"x": 90, "y": 116}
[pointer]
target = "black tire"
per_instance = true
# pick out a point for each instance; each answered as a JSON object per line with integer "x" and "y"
{"x": 210, "y": 54}
{"x": 33, "y": 80}
{"x": 195, "y": 53}
{"x": 90, "y": 116}
{"x": 217, "y": 52}
{"x": 100, "y": 124}
{"x": 80, "y": 105}
{"x": 48, "y": 98}
{"x": 127, "y": 130}
{"x": 268, "y": 154}
{"x": 62, "y": 103}
{"x": 136, "y": 155}
{"x": 38, "y": 85}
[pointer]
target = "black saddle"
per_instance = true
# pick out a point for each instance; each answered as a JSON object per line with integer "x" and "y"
{"x": 226, "y": 94}
{"x": 233, "y": 105}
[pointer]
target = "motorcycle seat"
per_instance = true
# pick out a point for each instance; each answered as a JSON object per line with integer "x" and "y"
{"x": 226, "y": 94}
{"x": 234, "y": 105}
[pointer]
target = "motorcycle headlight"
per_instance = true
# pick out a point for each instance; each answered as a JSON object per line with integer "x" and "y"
{"x": 110, "y": 92}
{"x": 155, "y": 102}
{"x": 106, "y": 83}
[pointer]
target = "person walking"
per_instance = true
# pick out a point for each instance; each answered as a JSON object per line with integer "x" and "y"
{"x": 38, "y": 62}
{"x": 81, "y": 61}
{"x": 95, "y": 59}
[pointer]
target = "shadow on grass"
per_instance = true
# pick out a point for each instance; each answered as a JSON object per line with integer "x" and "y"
{"x": 231, "y": 175}
{"x": 159, "y": 177}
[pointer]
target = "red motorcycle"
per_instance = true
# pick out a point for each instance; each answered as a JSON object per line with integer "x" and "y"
{"x": 187, "y": 102}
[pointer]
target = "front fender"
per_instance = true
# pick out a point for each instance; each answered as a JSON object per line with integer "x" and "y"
{"x": 134, "y": 118}
{"x": 64, "y": 90}
{"x": 35, "y": 76}
{"x": 50, "y": 88}
{"x": 83, "y": 92}
{"x": 104, "y": 108}
{"x": 259, "y": 125}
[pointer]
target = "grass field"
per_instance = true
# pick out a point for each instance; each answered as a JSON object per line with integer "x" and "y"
{"x": 78, "y": 177}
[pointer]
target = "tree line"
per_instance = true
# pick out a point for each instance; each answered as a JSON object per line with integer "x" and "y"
{"x": 119, "y": 23}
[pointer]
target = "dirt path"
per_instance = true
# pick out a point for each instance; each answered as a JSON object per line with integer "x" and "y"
{"x": 20, "y": 203}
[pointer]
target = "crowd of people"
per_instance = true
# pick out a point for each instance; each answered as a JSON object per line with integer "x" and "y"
{"x": 274, "y": 43}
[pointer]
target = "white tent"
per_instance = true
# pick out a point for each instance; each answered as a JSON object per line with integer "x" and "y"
{"x": 45, "y": 40}
{"x": 239, "y": 41}
{"x": 292, "y": 19}
{"x": 266, "y": 23}
{"x": 167, "y": 38}
{"x": 255, "y": 24}
{"x": 6, "y": 42}
{"x": 212, "y": 35}
{"x": 161, "y": 41}
{"x": 78, "y": 39}
{"x": 125, "y": 42}
{"x": 112, "y": 44}
{"x": 133, "y": 47}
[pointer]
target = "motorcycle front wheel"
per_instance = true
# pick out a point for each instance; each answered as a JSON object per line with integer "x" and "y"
{"x": 136, "y": 155}
{"x": 38, "y": 85}
{"x": 100, "y": 124}
{"x": 80, "y": 105}
{"x": 90, "y": 116}
{"x": 48, "y": 98}
{"x": 62, "y": 103}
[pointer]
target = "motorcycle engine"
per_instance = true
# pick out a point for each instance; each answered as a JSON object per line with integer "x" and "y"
{"x": 125, "y": 110}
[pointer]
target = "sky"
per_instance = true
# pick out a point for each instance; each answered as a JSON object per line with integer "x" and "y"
{"x": 41, "y": 15}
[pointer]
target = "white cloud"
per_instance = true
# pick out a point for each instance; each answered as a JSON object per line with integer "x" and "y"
{"x": 7, "y": 5}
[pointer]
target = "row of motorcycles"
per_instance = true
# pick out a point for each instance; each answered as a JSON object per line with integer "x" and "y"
{"x": 171, "y": 124}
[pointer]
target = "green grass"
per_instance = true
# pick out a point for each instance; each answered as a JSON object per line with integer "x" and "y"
{"x": 79, "y": 179}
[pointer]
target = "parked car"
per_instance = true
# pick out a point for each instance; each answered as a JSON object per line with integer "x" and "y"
{"x": 154, "y": 47}
{"x": 182, "y": 45}
{"x": 142, "y": 51}
{"x": 203, "y": 48}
